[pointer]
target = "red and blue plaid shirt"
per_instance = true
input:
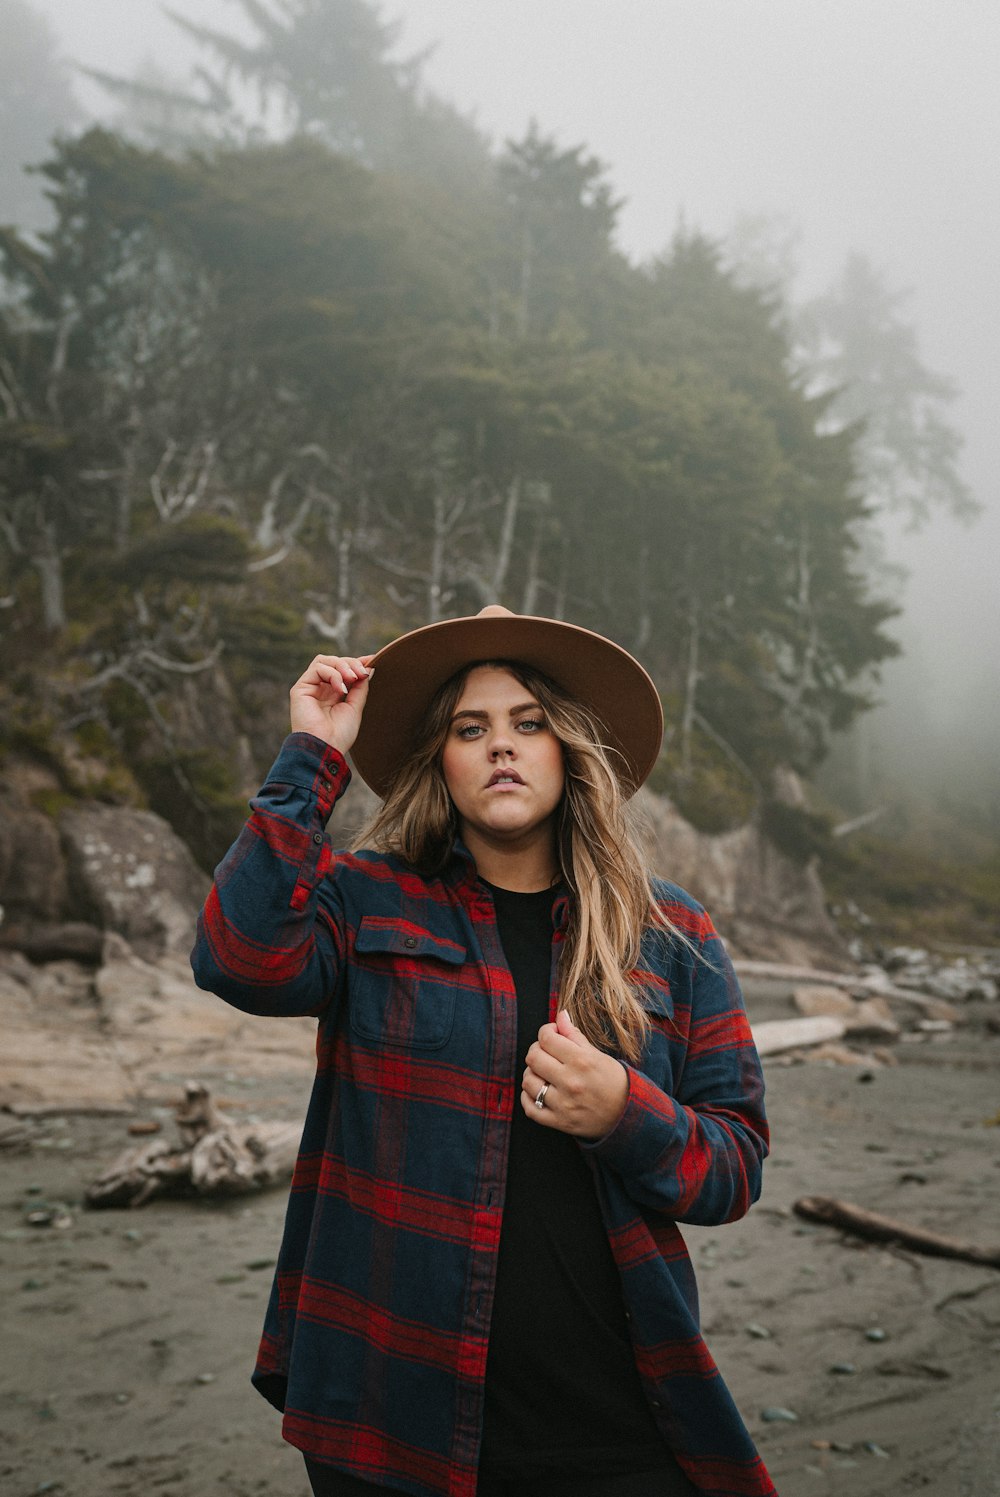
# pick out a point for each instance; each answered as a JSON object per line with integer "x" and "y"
{"x": 376, "y": 1332}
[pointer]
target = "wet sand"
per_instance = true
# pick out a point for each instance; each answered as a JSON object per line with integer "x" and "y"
{"x": 129, "y": 1335}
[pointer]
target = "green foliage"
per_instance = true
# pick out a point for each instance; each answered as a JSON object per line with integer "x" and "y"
{"x": 914, "y": 898}
{"x": 714, "y": 797}
{"x": 264, "y": 641}
{"x": 800, "y": 834}
{"x": 203, "y": 549}
{"x": 194, "y": 793}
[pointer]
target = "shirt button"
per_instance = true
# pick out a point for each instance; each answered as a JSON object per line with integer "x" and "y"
{"x": 654, "y": 1403}
{"x": 317, "y": 837}
{"x": 410, "y": 942}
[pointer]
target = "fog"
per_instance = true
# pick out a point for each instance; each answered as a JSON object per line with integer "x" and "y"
{"x": 868, "y": 124}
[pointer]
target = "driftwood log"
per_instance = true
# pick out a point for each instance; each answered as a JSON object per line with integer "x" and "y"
{"x": 772, "y": 1036}
{"x": 856, "y": 982}
{"x": 213, "y": 1158}
{"x": 876, "y": 1228}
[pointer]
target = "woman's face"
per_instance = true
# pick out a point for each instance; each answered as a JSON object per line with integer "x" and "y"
{"x": 502, "y": 764}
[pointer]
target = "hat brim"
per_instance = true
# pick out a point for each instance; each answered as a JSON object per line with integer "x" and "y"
{"x": 600, "y": 674}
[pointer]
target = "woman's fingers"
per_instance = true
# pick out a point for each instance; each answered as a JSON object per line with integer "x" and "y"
{"x": 329, "y": 697}
{"x": 586, "y": 1089}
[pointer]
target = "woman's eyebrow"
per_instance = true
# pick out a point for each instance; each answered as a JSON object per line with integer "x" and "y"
{"x": 482, "y": 716}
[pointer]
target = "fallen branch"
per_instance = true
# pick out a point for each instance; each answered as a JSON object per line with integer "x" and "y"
{"x": 214, "y": 1157}
{"x": 845, "y": 828}
{"x": 876, "y": 1228}
{"x": 854, "y": 982}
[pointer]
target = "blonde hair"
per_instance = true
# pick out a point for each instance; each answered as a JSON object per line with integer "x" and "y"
{"x": 611, "y": 899}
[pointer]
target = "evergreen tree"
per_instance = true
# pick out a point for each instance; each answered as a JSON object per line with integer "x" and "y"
{"x": 855, "y": 342}
{"x": 36, "y": 103}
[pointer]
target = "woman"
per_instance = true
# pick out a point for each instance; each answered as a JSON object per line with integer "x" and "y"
{"x": 533, "y": 1061}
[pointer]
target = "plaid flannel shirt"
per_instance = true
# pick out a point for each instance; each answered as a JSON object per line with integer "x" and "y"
{"x": 376, "y": 1332}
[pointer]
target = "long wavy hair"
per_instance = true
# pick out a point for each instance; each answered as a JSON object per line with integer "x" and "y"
{"x": 611, "y": 899}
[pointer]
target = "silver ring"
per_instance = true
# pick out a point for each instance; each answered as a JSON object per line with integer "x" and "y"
{"x": 540, "y": 1099}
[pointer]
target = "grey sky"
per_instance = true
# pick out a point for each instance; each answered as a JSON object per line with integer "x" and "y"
{"x": 872, "y": 124}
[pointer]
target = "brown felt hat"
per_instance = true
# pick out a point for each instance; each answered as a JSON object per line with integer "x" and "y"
{"x": 598, "y": 673}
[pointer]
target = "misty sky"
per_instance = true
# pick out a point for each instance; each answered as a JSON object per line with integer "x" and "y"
{"x": 871, "y": 124}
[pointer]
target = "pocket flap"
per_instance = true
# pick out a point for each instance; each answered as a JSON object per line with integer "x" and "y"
{"x": 402, "y": 938}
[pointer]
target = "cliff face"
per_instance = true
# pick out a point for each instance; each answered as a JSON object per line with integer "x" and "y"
{"x": 764, "y": 904}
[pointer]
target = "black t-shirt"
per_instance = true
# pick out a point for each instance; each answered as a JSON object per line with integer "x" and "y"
{"x": 562, "y": 1390}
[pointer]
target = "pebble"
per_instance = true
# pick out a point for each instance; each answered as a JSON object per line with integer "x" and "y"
{"x": 758, "y": 1332}
{"x": 875, "y": 1333}
{"x": 777, "y": 1415}
{"x": 874, "y": 1449}
{"x": 205, "y": 1377}
{"x": 845, "y": 1369}
{"x": 132, "y": 1235}
{"x": 257, "y": 1263}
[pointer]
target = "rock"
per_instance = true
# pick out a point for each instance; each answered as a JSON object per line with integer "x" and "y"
{"x": 832, "y": 1054}
{"x": 138, "y": 878}
{"x": 777, "y": 1415}
{"x": 48, "y": 942}
{"x": 901, "y": 957}
{"x": 872, "y": 1019}
{"x": 32, "y": 873}
{"x": 820, "y": 998}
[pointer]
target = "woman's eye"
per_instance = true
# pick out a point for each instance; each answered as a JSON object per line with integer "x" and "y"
{"x": 470, "y": 730}
{"x": 533, "y": 724}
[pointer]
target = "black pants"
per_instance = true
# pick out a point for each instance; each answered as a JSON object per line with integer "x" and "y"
{"x": 668, "y": 1481}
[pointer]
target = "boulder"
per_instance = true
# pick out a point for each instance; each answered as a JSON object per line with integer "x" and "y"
{"x": 68, "y": 940}
{"x": 822, "y": 998}
{"x": 131, "y": 874}
{"x": 32, "y": 876}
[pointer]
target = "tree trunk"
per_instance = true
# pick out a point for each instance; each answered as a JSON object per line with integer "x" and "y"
{"x": 506, "y": 546}
{"x": 524, "y": 300}
{"x": 690, "y": 689}
{"x": 47, "y": 561}
{"x": 435, "y": 583}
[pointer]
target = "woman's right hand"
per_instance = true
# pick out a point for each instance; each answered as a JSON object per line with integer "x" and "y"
{"x": 329, "y": 697}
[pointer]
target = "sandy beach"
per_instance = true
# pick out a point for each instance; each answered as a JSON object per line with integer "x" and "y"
{"x": 129, "y": 1334}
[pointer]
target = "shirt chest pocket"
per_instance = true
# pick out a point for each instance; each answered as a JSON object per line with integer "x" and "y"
{"x": 404, "y": 984}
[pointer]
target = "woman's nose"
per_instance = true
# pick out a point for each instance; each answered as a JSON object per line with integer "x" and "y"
{"x": 501, "y": 743}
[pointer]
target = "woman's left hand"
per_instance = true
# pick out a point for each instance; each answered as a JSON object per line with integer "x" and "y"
{"x": 585, "y": 1089}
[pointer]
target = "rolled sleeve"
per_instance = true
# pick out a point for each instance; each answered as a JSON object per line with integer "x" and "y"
{"x": 271, "y": 935}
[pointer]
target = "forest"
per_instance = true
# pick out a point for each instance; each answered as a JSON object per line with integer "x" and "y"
{"x": 298, "y": 359}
